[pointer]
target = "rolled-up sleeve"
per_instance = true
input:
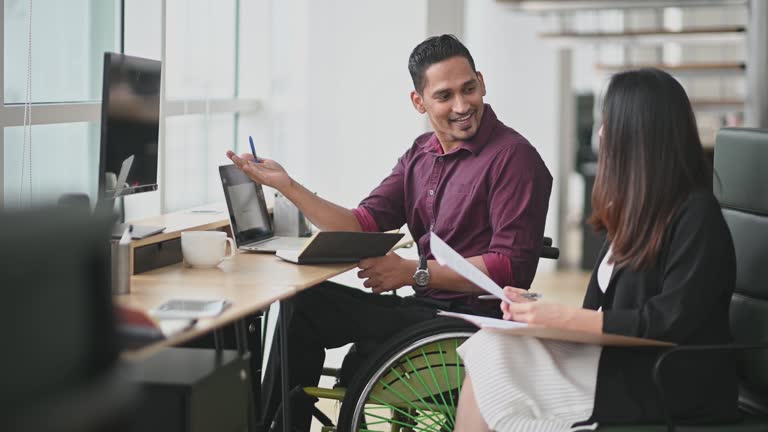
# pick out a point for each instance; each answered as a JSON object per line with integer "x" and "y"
{"x": 519, "y": 201}
{"x": 366, "y": 221}
{"x": 499, "y": 268}
{"x": 384, "y": 208}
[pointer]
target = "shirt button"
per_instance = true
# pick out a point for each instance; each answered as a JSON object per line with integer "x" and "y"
{"x": 431, "y": 192}
{"x": 440, "y": 159}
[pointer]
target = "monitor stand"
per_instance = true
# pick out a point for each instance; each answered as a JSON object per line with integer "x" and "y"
{"x": 137, "y": 231}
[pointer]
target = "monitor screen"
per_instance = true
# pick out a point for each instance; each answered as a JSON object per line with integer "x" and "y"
{"x": 130, "y": 118}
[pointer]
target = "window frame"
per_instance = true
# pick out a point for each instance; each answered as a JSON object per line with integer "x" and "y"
{"x": 12, "y": 115}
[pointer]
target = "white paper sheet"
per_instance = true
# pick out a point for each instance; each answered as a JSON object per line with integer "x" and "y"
{"x": 445, "y": 255}
{"x": 485, "y": 322}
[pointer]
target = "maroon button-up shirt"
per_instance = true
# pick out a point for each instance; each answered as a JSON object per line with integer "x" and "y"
{"x": 488, "y": 197}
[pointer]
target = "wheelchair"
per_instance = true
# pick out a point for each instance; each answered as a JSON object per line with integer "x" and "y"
{"x": 411, "y": 383}
{"x": 414, "y": 386}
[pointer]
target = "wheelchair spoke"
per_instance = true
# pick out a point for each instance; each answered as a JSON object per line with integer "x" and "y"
{"x": 426, "y": 388}
{"x": 444, "y": 426}
{"x": 412, "y": 390}
{"x": 447, "y": 380}
{"x": 403, "y": 398}
{"x": 387, "y": 421}
{"x": 416, "y": 427}
{"x": 448, "y": 417}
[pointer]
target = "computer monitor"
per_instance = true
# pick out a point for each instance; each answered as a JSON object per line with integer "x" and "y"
{"x": 130, "y": 123}
{"x": 130, "y": 119}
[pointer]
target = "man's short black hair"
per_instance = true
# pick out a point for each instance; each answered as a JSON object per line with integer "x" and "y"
{"x": 434, "y": 50}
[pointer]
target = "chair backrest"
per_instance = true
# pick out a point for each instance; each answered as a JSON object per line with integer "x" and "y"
{"x": 57, "y": 320}
{"x": 741, "y": 187}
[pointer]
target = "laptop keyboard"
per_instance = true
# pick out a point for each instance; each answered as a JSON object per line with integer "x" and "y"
{"x": 281, "y": 243}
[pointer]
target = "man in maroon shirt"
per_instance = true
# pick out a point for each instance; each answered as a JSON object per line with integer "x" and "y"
{"x": 475, "y": 182}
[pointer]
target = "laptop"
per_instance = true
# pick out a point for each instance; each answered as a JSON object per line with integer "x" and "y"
{"x": 248, "y": 216}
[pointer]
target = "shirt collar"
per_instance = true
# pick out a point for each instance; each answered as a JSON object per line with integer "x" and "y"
{"x": 476, "y": 143}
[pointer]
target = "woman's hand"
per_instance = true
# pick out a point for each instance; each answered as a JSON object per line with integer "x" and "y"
{"x": 515, "y": 295}
{"x": 537, "y": 313}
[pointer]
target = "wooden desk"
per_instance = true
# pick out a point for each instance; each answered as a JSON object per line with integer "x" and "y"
{"x": 251, "y": 281}
{"x": 251, "y": 269}
{"x": 207, "y": 217}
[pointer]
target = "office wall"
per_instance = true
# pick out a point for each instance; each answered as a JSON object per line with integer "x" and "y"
{"x": 521, "y": 76}
{"x": 340, "y": 106}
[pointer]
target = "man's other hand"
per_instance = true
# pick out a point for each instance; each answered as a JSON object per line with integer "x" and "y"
{"x": 386, "y": 273}
{"x": 265, "y": 171}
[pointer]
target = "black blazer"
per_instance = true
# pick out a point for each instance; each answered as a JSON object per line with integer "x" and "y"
{"x": 683, "y": 298}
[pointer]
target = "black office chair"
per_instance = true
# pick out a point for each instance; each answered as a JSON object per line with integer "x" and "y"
{"x": 740, "y": 184}
{"x": 58, "y": 370}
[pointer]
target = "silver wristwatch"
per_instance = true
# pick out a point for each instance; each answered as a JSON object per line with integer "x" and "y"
{"x": 421, "y": 277}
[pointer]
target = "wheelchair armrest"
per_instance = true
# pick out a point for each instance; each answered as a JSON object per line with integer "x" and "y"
{"x": 550, "y": 252}
{"x": 691, "y": 349}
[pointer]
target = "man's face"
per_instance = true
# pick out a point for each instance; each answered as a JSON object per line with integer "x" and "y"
{"x": 453, "y": 100}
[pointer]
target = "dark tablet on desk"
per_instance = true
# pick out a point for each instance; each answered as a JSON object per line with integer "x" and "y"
{"x": 328, "y": 247}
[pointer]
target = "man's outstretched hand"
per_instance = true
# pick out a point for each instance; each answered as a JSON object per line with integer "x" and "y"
{"x": 266, "y": 171}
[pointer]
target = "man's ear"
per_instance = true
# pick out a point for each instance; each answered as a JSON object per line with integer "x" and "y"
{"x": 482, "y": 82}
{"x": 418, "y": 102}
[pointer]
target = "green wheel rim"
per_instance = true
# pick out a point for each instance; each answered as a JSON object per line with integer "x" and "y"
{"x": 417, "y": 390}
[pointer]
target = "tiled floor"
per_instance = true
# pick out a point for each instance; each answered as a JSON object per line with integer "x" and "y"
{"x": 566, "y": 287}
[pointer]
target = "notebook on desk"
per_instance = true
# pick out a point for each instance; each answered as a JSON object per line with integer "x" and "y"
{"x": 328, "y": 247}
{"x": 252, "y": 228}
{"x": 136, "y": 329}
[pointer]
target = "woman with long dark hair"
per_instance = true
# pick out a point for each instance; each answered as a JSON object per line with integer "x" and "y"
{"x": 666, "y": 272}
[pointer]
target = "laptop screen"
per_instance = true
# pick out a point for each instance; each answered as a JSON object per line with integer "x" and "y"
{"x": 247, "y": 208}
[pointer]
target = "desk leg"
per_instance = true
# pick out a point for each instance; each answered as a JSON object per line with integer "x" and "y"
{"x": 243, "y": 350}
{"x": 254, "y": 340}
{"x": 218, "y": 340}
{"x": 240, "y": 341}
{"x": 285, "y": 312}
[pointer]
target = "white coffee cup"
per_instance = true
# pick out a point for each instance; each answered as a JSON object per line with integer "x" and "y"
{"x": 204, "y": 249}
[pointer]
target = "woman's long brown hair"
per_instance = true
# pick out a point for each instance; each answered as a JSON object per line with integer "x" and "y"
{"x": 650, "y": 160}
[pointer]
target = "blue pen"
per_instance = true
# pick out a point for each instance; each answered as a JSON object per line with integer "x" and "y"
{"x": 253, "y": 150}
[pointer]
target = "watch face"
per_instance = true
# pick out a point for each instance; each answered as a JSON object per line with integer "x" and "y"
{"x": 421, "y": 277}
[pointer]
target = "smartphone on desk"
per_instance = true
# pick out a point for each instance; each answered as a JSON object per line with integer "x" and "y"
{"x": 190, "y": 308}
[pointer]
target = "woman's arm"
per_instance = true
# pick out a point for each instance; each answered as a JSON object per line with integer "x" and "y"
{"x": 551, "y": 315}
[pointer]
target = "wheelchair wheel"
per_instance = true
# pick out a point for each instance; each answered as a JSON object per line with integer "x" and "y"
{"x": 412, "y": 383}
